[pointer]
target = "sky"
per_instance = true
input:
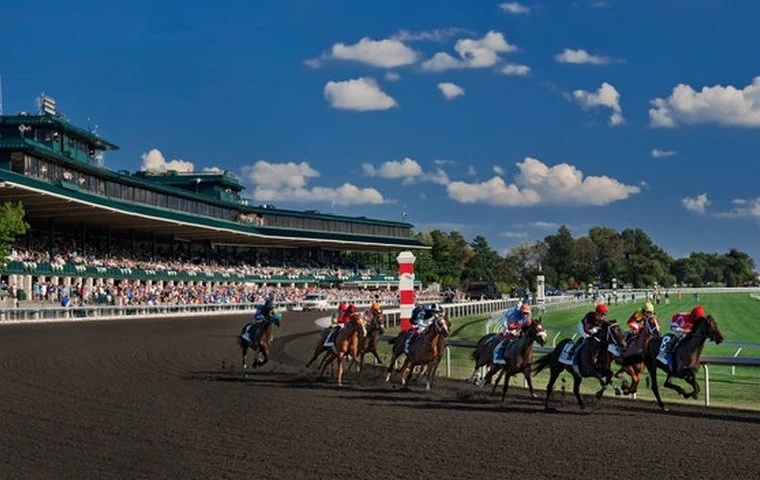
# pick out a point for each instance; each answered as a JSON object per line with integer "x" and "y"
{"x": 500, "y": 119}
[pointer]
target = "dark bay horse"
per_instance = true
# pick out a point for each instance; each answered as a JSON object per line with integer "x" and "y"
{"x": 375, "y": 328}
{"x": 260, "y": 335}
{"x": 346, "y": 342}
{"x": 632, "y": 359}
{"x": 518, "y": 357}
{"x": 593, "y": 359}
{"x": 685, "y": 358}
{"x": 426, "y": 350}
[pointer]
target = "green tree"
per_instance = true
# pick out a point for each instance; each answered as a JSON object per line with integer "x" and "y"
{"x": 561, "y": 255}
{"x": 484, "y": 263}
{"x": 12, "y": 225}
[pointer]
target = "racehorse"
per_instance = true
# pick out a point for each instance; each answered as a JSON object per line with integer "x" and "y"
{"x": 375, "y": 328}
{"x": 685, "y": 364}
{"x": 346, "y": 342}
{"x": 518, "y": 357}
{"x": 260, "y": 335}
{"x": 426, "y": 349}
{"x": 592, "y": 359}
{"x": 632, "y": 360}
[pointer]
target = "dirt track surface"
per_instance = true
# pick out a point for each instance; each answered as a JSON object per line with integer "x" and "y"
{"x": 164, "y": 399}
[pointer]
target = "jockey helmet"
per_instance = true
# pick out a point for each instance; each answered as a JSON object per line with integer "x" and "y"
{"x": 601, "y": 309}
{"x": 698, "y": 312}
{"x": 352, "y": 308}
{"x": 434, "y": 308}
{"x": 648, "y": 307}
{"x": 269, "y": 304}
{"x": 376, "y": 305}
{"x": 524, "y": 308}
{"x": 342, "y": 307}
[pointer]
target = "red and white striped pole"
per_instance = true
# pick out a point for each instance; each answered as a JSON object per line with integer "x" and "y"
{"x": 406, "y": 287}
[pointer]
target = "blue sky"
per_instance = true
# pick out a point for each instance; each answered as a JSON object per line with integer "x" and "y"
{"x": 500, "y": 119}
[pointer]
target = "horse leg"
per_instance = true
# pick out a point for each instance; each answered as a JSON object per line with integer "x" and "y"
{"x": 340, "y": 368}
{"x": 394, "y": 356}
{"x": 404, "y": 375}
{"x": 474, "y": 374}
{"x": 489, "y": 375}
{"x": 529, "y": 380}
{"x": 317, "y": 352}
{"x": 554, "y": 374}
{"x": 577, "y": 390}
{"x": 669, "y": 384}
{"x": 264, "y": 349}
{"x": 244, "y": 347}
{"x": 506, "y": 385}
{"x": 652, "y": 367}
{"x": 325, "y": 362}
{"x": 692, "y": 379}
{"x": 625, "y": 388}
{"x": 378, "y": 360}
{"x": 498, "y": 379}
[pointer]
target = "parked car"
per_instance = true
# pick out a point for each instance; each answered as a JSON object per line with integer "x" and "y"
{"x": 315, "y": 301}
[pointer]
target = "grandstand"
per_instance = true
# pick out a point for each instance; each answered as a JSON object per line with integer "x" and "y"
{"x": 97, "y": 226}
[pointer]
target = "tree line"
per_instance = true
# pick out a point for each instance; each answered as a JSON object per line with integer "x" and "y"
{"x": 630, "y": 257}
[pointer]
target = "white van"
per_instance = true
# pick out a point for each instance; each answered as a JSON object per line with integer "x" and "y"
{"x": 314, "y": 301}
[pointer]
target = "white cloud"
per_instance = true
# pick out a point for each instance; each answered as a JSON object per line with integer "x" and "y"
{"x": 392, "y": 77}
{"x": 499, "y": 170}
{"x": 515, "y": 8}
{"x": 357, "y": 94}
{"x": 537, "y": 183}
{"x": 514, "y": 234}
{"x": 516, "y": 70}
{"x": 437, "y": 35}
{"x": 394, "y": 169}
{"x": 471, "y": 171}
{"x": 539, "y": 225}
{"x": 213, "y": 170}
{"x": 743, "y": 208}
{"x": 286, "y": 182}
{"x": 154, "y": 161}
{"x": 717, "y": 104}
{"x": 472, "y": 53}
{"x": 581, "y": 56}
{"x": 408, "y": 170}
{"x": 386, "y": 53}
{"x": 657, "y": 153}
{"x": 698, "y": 204}
{"x": 450, "y": 90}
{"x": 443, "y": 162}
{"x": 605, "y": 96}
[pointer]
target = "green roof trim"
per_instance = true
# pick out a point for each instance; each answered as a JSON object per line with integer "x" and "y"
{"x": 64, "y": 125}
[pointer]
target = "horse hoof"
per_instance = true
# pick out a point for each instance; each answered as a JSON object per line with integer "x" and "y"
{"x": 533, "y": 395}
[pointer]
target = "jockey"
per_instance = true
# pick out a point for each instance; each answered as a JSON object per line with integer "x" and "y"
{"x": 375, "y": 308}
{"x": 681, "y": 325}
{"x": 512, "y": 323}
{"x": 424, "y": 318}
{"x": 415, "y": 313}
{"x": 264, "y": 312}
{"x": 514, "y": 319}
{"x": 590, "y": 324}
{"x": 341, "y": 311}
{"x": 342, "y": 320}
{"x": 637, "y": 318}
{"x": 350, "y": 311}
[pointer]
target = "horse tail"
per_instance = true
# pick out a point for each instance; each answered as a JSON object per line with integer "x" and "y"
{"x": 474, "y": 355}
{"x": 541, "y": 363}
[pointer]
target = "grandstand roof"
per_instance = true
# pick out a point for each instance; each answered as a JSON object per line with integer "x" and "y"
{"x": 64, "y": 203}
{"x": 64, "y": 125}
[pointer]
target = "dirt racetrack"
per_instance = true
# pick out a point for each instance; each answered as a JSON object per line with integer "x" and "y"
{"x": 164, "y": 399}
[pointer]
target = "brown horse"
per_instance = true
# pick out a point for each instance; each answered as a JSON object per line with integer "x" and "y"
{"x": 592, "y": 359}
{"x": 258, "y": 338}
{"x": 685, "y": 358}
{"x": 346, "y": 343}
{"x": 632, "y": 360}
{"x": 426, "y": 350}
{"x": 375, "y": 328}
{"x": 518, "y": 357}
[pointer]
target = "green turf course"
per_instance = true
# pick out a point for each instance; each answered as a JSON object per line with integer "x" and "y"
{"x": 737, "y": 314}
